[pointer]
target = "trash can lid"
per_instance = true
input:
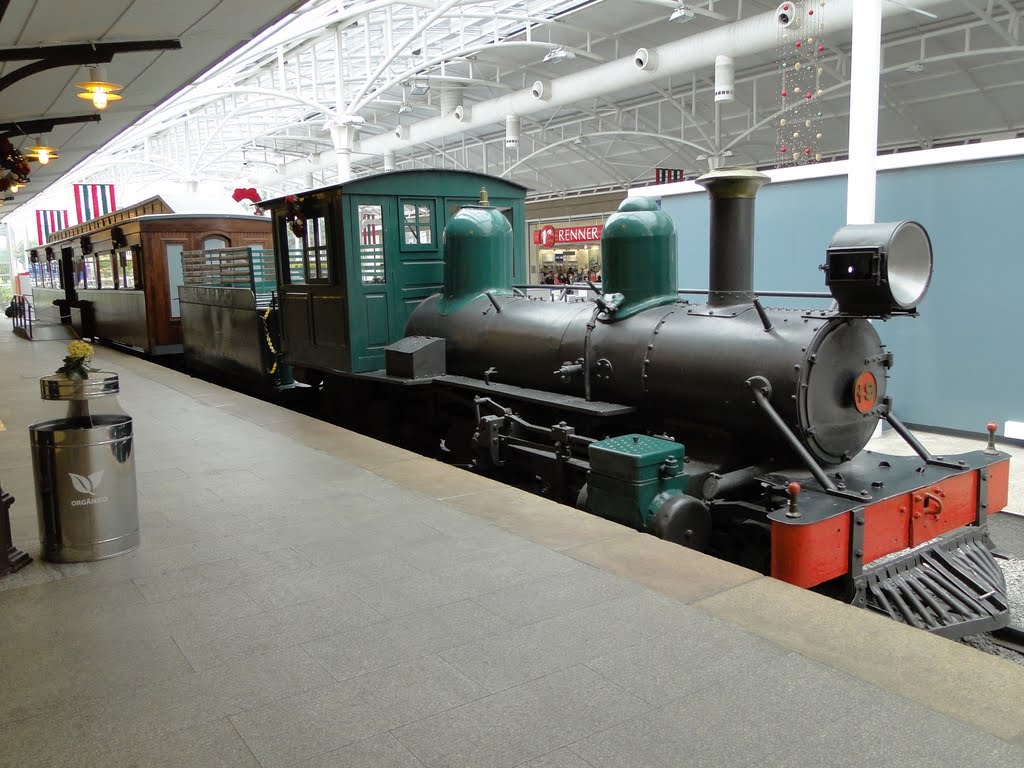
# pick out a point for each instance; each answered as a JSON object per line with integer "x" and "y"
{"x": 57, "y": 386}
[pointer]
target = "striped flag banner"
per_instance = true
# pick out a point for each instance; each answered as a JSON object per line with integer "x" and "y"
{"x": 48, "y": 222}
{"x": 667, "y": 175}
{"x": 93, "y": 200}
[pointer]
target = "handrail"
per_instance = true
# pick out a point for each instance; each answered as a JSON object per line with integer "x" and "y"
{"x": 22, "y": 314}
{"x": 689, "y": 291}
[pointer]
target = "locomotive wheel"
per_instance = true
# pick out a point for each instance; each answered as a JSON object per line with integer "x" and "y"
{"x": 378, "y": 421}
{"x": 339, "y": 405}
{"x": 457, "y": 443}
{"x": 409, "y": 436}
{"x": 683, "y": 520}
{"x": 752, "y": 542}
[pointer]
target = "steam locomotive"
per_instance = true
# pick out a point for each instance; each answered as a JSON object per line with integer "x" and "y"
{"x": 728, "y": 427}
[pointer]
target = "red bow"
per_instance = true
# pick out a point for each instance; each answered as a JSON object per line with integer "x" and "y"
{"x": 241, "y": 194}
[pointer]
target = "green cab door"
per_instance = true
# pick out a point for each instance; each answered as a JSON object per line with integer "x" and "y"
{"x": 420, "y": 266}
{"x": 373, "y": 246}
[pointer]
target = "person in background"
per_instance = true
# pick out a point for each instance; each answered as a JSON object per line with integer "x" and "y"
{"x": 80, "y": 272}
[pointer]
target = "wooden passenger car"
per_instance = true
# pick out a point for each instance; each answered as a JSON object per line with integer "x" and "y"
{"x": 366, "y": 253}
{"x": 122, "y": 270}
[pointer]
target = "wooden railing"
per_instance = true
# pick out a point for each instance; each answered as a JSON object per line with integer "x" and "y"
{"x": 251, "y": 267}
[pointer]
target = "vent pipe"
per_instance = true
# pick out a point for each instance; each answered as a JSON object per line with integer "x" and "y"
{"x": 731, "y": 260}
{"x": 747, "y": 37}
{"x": 450, "y": 99}
{"x": 512, "y": 128}
{"x": 725, "y": 79}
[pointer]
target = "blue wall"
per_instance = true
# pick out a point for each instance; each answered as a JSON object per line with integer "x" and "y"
{"x": 958, "y": 365}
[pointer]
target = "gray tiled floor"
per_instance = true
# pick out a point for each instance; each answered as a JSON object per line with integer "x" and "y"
{"x": 290, "y": 610}
{"x": 789, "y": 712}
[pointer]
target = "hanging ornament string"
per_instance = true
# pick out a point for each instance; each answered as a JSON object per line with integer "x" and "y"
{"x": 801, "y": 52}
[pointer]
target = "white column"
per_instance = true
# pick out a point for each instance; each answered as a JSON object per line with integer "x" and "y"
{"x": 864, "y": 76}
{"x": 343, "y": 139}
{"x": 344, "y": 165}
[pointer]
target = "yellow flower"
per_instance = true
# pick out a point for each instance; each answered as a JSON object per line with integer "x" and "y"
{"x": 80, "y": 349}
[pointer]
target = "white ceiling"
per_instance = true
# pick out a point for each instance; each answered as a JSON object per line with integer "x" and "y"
{"x": 208, "y": 30}
{"x": 263, "y": 117}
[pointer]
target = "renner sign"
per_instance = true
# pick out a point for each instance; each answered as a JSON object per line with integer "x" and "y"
{"x": 547, "y": 235}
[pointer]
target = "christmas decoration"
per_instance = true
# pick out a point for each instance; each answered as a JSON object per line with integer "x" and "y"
{"x": 248, "y": 197}
{"x": 14, "y": 168}
{"x": 294, "y": 215}
{"x": 800, "y": 50}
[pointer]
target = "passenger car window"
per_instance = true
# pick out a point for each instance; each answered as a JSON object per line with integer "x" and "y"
{"x": 91, "y": 267}
{"x": 126, "y": 271}
{"x": 175, "y": 275}
{"x": 417, "y": 224}
{"x": 317, "y": 268}
{"x": 295, "y": 267}
{"x": 372, "y": 267}
{"x": 106, "y": 269}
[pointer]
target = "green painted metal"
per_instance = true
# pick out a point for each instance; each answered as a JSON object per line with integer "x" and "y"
{"x": 638, "y": 256}
{"x": 627, "y": 473}
{"x": 513, "y": 209}
{"x": 343, "y": 323}
{"x": 477, "y": 257}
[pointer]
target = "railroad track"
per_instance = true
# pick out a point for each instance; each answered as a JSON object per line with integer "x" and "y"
{"x": 1008, "y": 532}
{"x": 1011, "y": 638}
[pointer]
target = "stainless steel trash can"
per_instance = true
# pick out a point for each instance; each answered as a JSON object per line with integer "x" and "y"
{"x": 84, "y": 467}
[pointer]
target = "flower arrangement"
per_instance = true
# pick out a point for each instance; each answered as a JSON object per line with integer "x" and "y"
{"x": 76, "y": 362}
{"x": 14, "y": 168}
{"x": 294, "y": 215}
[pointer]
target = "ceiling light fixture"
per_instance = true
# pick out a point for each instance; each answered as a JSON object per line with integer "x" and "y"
{"x": 98, "y": 90}
{"x": 42, "y": 154}
{"x": 559, "y": 54}
{"x": 405, "y": 108}
{"x": 419, "y": 89}
{"x": 682, "y": 14}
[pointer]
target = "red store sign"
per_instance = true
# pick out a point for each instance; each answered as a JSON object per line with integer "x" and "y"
{"x": 547, "y": 235}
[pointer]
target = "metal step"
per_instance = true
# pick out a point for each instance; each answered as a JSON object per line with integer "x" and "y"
{"x": 52, "y": 332}
{"x": 951, "y": 586}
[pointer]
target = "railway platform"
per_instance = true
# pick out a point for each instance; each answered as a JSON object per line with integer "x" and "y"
{"x": 305, "y": 596}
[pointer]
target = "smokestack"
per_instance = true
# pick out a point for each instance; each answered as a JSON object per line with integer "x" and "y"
{"x": 732, "y": 192}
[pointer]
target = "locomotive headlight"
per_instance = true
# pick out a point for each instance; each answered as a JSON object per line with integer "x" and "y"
{"x": 878, "y": 270}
